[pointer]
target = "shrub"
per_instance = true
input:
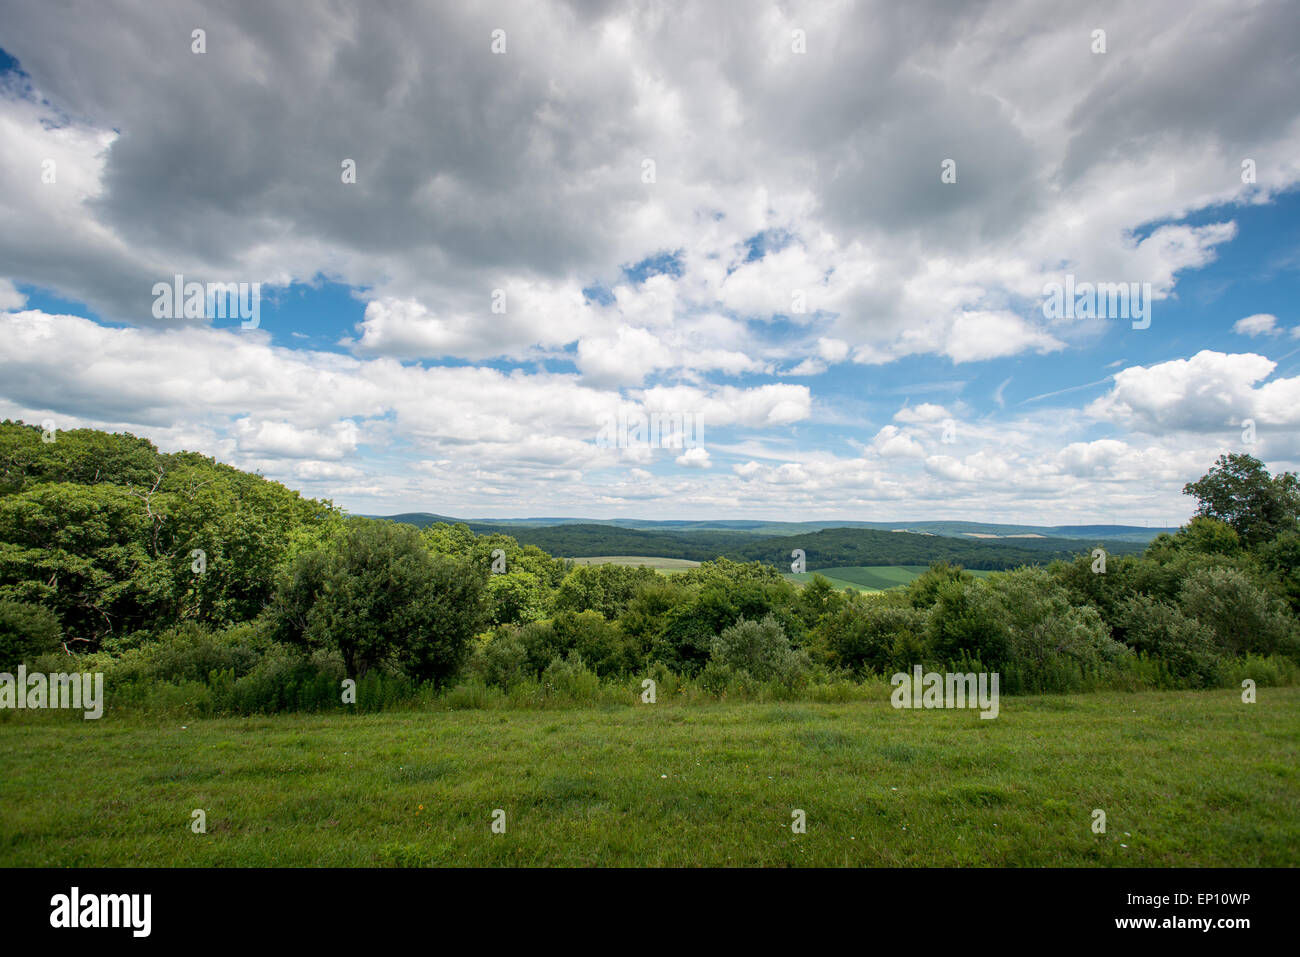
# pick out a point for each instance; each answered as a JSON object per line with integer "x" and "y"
{"x": 685, "y": 641}
{"x": 501, "y": 660}
{"x": 761, "y": 649}
{"x": 26, "y": 630}
{"x": 966, "y": 621}
{"x": 595, "y": 640}
{"x": 1052, "y": 645}
{"x": 570, "y": 678}
{"x": 540, "y": 645}
{"x": 1160, "y": 631}
{"x": 871, "y": 634}
{"x": 1239, "y": 617}
{"x": 191, "y": 652}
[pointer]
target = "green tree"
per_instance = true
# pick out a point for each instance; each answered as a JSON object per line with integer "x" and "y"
{"x": 966, "y": 620}
{"x": 86, "y": 553}
{"x": 1051, "y": 642}
{"x": 923, "y": 590}
{"x": 874, "y": 633}
{"x": 379, "y": 595}
{"x": 606, "y": 588}
{"x": 1238, "y": 490}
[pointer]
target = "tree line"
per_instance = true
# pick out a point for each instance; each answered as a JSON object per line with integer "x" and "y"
{"x": 188, "y": 581}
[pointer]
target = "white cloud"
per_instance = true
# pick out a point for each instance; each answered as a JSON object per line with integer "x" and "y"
{"x": 1210, "y": 392}
{"x": 10, "y": 298}
{"x": 696, "y": 458}
{"x": 923, "y": 413}
{"x": 989, "y": 335}
{"x": 1260, "y": 324}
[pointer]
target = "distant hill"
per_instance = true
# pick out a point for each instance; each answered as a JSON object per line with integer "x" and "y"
{"x": 824, "y": 547}
{"x": 1113, "y": 533}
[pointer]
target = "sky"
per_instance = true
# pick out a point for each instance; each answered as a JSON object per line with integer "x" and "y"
{"x": 825, "y": 233}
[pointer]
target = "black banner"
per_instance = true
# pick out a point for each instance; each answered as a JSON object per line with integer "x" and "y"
{"x": 945, "y": 908}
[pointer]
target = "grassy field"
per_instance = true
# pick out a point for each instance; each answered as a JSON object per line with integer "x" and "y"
{"x": 869, "y": 577}
{"x": 860, "y": 577}
{"x": 1185, "y": 778}
{"x": 640, "y": 561}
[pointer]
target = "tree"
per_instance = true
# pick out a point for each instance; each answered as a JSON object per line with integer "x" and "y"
{"x": 923, "y": 590}
{"x": 874, "y": 633}
{"x": 966, "y": 621}
{"x": 377, "y": 594}
{"x": 1050, "y": 640}
{"x": 1238, "y": 490}
{"x": 606, "y": 588}
{"x": 83, "y": 551}
{"x": 1280, "y": 559}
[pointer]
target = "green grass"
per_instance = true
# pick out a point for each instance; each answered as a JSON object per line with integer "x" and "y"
{"x": 640, "y": 561}
{"x": 1185, "y": 778}
{"x": 869, "y": 577}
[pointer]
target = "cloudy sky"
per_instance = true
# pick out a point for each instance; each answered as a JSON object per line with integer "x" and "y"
{"x": 826, "y": 230}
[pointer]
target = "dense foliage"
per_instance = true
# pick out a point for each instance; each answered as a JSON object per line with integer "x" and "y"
{"x": 188, "y": 580}
{"x": 828, "y": 548}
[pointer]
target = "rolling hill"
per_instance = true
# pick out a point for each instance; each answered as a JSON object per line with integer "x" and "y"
{"x": 840, "y": 546}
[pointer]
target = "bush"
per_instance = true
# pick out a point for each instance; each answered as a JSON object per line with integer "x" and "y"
{"x": 873, "y": 634}
{"x": 595, "y": 640}
{"x": 1160, "y": 631}
{"x": 540, "y": 645}
{"x": 190, "y": 653}
{"x": 570, "y": 678}
{"x": 966, "y": 621}
{"x": 1239, "y": 617}
{"x": 500, "y": 661}
{"x": 26, "y": 630}
{"x": 685, "y": 641}
{"x": 1052, "y": 645}
{"x": 760, "y": 649}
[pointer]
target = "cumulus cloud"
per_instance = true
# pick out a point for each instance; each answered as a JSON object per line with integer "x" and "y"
{"x": 925, "y": 412}
{"x": 523, "y": 172}
{"x": 1260, "y": 324}
{"x": 696, "y": 458}
{"x": 10, "y": 298}
{"x": 1210, "y": 392}
{"x": 500, "y": 218}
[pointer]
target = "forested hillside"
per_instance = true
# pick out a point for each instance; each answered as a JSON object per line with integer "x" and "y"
{"x": 823, "y": 549}
{"x": 107, "y": 536}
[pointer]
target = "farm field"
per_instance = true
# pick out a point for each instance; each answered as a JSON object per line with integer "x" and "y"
{"x": 868, "y": 577}
{"x": 1185, "y": 779}
{"x": 640, "y": 561}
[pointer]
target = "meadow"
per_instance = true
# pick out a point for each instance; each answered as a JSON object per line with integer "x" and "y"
{"x": 869, "y": 577}
{"x": 639, "y": 561}
{"x": 1186, "y": 778}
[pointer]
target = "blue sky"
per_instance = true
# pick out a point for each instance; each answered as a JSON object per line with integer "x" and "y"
{"x": 860, "y": 338}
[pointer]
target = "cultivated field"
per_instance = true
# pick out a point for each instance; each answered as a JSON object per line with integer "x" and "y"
{"x": 1185, "y": 778}
{"x": 869, "y": 577}
{"x": 640, "y": 561}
